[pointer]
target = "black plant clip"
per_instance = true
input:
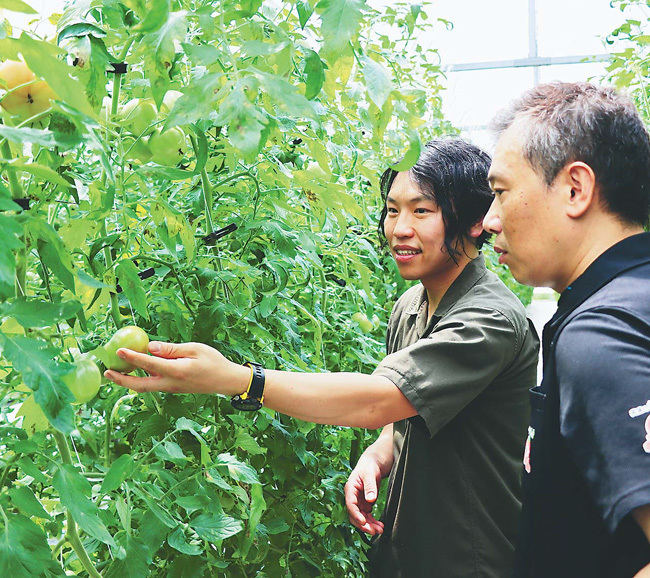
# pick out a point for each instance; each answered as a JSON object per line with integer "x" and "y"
{"x": 211, "y": 238}
{"x": 150, "y": 272}
{"x": 118, "y": 68}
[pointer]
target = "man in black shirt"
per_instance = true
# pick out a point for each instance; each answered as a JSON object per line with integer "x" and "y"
{"x": 571, "y": 179}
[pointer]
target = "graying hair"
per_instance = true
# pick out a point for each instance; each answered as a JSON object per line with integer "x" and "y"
{"x": 566, "y": 122}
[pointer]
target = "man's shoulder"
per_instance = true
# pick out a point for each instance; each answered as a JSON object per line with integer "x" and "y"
{"x": 410, "y": 300}
{"x": 490, "y": 293}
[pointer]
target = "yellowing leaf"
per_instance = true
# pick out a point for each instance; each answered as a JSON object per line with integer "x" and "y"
{"x": 34, "y": 419}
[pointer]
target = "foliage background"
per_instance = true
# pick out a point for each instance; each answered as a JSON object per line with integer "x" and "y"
{"x": 291, "y": 112}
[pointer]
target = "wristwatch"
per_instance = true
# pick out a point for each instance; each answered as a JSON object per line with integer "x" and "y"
{"x": 254, "y": 396}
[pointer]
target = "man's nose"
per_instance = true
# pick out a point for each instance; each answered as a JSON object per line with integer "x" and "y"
{"x": 403, "y": 226}
{"x": 492, "y": 221}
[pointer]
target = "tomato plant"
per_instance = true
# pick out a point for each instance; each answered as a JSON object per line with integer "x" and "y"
{"x": 260, "y": 239}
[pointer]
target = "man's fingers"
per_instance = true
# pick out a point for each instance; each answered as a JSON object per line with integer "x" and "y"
{"x": 174, "y": 350}
{"x": 144, "y": 361}
{"x": 139, "y": 384}
{"x": 370, "y": 490}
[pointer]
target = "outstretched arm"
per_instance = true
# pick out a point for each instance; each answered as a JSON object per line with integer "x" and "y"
{"x": 362, "y": 487}
{"x": 346, "y": 399}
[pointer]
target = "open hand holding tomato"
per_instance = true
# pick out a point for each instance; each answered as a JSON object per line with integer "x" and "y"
{"x": 182, "y": 368}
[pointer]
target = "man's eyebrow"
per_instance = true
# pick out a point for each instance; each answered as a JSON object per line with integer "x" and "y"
{"x": 493, "y": 176}
{"x": 414, "y": 199}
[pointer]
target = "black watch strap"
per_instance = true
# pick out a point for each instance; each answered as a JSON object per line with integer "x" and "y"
{"x": 254, "y": 396}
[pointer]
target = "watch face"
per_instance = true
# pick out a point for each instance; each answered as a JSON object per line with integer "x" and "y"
{"x": 248, "y": 404}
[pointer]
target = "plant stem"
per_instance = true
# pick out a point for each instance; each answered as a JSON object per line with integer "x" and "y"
{"x": 5, "y": 472}
{"x": 17, "y": 192}
{"x": 14, "y": 183}
{"x": 110, "y": 416}
{"x": 71, "y": 533}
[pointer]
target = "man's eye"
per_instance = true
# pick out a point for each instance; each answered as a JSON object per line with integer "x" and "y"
{"x": 421, "y": 211}
{"x": 391, "y": 210}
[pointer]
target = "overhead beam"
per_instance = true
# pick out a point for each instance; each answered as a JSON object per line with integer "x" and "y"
{"x": 527, "y": 62}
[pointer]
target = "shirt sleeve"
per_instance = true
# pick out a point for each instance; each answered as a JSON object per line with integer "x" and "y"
{"x": 603, "y": 369}
{"x": 443, "y": 372}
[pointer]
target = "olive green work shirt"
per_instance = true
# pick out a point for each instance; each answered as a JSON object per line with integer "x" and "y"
{"x": 454, "y": 489}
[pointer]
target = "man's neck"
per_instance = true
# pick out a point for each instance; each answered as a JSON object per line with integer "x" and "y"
{"x": 597, "y": 239}
{"x": 437, "y": 287}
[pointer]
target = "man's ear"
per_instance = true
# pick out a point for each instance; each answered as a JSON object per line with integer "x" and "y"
{"x": 580, "y": 186}
{"x": 477, "y": 230}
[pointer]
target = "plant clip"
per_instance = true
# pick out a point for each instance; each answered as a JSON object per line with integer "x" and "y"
{"x": 150, "y": 272}
{"x": 118, "y": 68}
{"x": 23, "y": 203}
{"x": 340, "y": 282}
{"x": 210, "y": 238}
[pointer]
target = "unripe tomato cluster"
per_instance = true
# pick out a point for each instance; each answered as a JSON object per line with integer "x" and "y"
{"x": 145, "y": 142}
{"x": 85, "y": 378}
{"x": 24, "y": 96}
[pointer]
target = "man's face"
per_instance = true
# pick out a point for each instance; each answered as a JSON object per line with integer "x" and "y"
{"x": 415, "y": 232}
{"x": 525, "y": 216}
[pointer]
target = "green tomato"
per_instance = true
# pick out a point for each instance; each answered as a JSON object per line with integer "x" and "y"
{"x": 138, "y": 115}
{"x": 168, "y": 148}
{"x": 169, "y": 100}
{"x": 84, "y": 380}
{"x": 364, "y": 323}
{"x": 130, "y": 337}
{"x": 136, "y": 150}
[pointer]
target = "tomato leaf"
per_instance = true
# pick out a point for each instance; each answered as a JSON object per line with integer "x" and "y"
{"x": 216, "y": 526}
{"x": 24, "y": 550}
{"x": 177, "y": 540}
{"x": 17, "y": 6}
{"x": 340, "y": 22}
{"x": 120, "y": 469}
{"x": 24, "y": 498}
{"x": 378, "y": 81}
{"x": 53, "y": 252}
{"x": 236, "y": 469}
{"x": 35, "y": 361}
{"x": 132, "y": 560}
{"x": 37, "y": 313}
{"x": 286, "y": 97}
{"x": 246, "y": 442}
{"x": 74, "y": 491}
{"x": 10, "y": 232}
{"x": 34, "y": 420}
{"x": 42, "y": 171}
{"x": 412, "y": 154}
{"x": 246, "y": 122}
{"x": 160, "y": 49}
{"x": 314, "y": 74}
{"x": 304, "y": 12}
{"x": 127, "y": 275}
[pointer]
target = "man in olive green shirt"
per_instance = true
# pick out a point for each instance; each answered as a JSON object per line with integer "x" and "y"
{"x": 454, "y": 383}
{"x": 453, "y": 497}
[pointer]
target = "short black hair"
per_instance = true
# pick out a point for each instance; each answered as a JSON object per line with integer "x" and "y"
{"x": 564, "y": 122}
{"x": 452, "y": 173}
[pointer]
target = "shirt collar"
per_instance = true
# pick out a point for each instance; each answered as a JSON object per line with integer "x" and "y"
{"x": 626, "y": 254}
{"x": 468, "y": 277}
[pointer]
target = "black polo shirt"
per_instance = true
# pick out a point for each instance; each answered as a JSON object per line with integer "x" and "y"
{"x": 587, "y": 459}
